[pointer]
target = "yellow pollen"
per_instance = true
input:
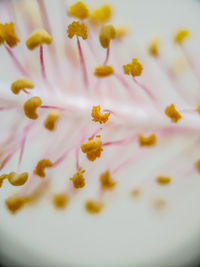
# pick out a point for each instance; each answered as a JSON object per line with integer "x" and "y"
{"x": 41, "y": 166}
{"x": 8, "y": 35}
{"x": 197, "y": 164}
{"x": 121, "y": 31}
{"x": 134, "y": 68}
{"x": 76, "y": 28}
{"x": 98, "y": 116}
{"x": 21, "y": 84}
{"x": 172, "y": 113}
{"x": 136, "y": 192}
{"x": 93, "y": 206}
{"x": 92, "y": 148}
{"x": 15, "y": 203}
{"x": 14, "y": 178}
{"x": 60, "y": 200}
{"x": 154, "y": 47}
{"x": 17, "y": 179}
{"x": 198, "y": 109}
{"x": 2, "y": 178}
{"x": 181, "y": 36}
{"x": 107, "y": 33}
{"x": 30, "y": 107}
{"x": 38, "y": 38}
{"x": 106, "y": 181}
{"x": 103, "y": 71}
{"x": 100, "y": 15}
{"x": 147, "y": 141}
{"x": 163, "y": 180}
{"x": 78, "y": 10}
{"x": 78, "y": 179}
{"x": 51, "y": 120}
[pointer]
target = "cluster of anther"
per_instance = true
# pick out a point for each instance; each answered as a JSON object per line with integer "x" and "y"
{"x": 93, "y": 147}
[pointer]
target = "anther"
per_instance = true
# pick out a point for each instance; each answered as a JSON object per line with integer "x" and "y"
{"x": 15, "y": 203}
{"x": 163, "y": 180}
{"x": 30, "y": 107}
{"x": 147, "y": 141}
{"x": 38, "y": 38}
{"x": 93, "y": 206}
{"x": 101, "y": 15}
{"x": 107, "y": 33}
{"x": 78, "y": 179}
{"x": 106, "y": 181}
{"x": 197, "y": 165}
{"x": 103, "y": 71}
{"x": 51, "y": 120}
{"x": 98, "y": 116}
{"x": 41, "y": 166}
{"x": 60, "y": 200}
{"x": 78, "y": 10}
{"x": 8, "y": 35}
{"x": 21, "y": 84}
{"x": 14, "y": 178}
{"x": 154, "y": 47}
{"x": 92, "y": 148}
{"x": 78, "y": 29}
{"x": 17, "y": 179}
{"x": 181, "y": 36}
{"x": 134, "y": 68}
{"x": 172, "y": 113}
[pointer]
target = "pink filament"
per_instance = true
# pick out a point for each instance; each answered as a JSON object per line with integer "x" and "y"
{"x": 16, "y": 61}
{"x": 85, "y": 76}
{"x": 124, "y": 141}
{"x": 63, "y": 157}
{"x": 126, "y": 85}
{"x": 42, "y": 63}
{"x": 107, "y": 56}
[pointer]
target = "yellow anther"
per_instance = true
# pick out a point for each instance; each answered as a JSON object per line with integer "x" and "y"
{"x": 14, "y": 178}
{"x": 135, "y": 192}
{"x": 107, "y": 33}
{"x": 15, "y": 203}
{"x": 147, "y": 141}
{"x": 21, "y": 84}
{"x": 92, "y": 148}
{"x": 101, "y": 15}
{"x": 197, "y": 164}
{"x": 17, "y": 179}
{"x": 30, "y": 107}
{"x": 60, "y": 200}
{"x": 2, "y": 178}
{"x": 198, "y": 109}
{"x": 38, "y": 38}
{"x": 98, "y": 116}
{"x": 76, "y": 28}
{"x": 41, "y": 166}
{"x": 172, "y": 113}
{"x": 103, "y": 71}
{"x": 159, "y": 204}
{"x": 163, "y": 180}
{"x": 134, "y": 68}
{"x": 78, "y": 10}
{"x": 181, "y": 36}
{"x": 78, "y": 179}
{"x": 51, "y": 120}
{"x": 121, "y": 31}
{"x": 8, "y": 35}
{"x": 106, "y": 181}
{"x": 93, "y": 206}
{"x": 154, "y": 46}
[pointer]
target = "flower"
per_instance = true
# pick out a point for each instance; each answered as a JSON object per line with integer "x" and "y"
{"x": 59, "y": 114}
